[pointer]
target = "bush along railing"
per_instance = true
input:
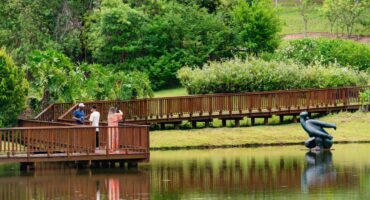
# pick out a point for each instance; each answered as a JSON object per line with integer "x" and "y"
{"x": 365, "y": 100}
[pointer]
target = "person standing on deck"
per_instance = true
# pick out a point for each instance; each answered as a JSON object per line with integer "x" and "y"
{"x": 114, "y": 116}
{"x": 79, "y": 114}
{"x": 95, "y": 119}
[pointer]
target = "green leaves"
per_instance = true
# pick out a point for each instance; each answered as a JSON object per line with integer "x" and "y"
{"x": 53, "y": 77}
{"x": 256, "y": 26}
{"x": 327, "y": 51}
{"x": 13, "y": 90}
{"x": 253, "y": 75}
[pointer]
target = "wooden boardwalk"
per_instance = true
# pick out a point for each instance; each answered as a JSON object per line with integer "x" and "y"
{"x": 53, "y": 136}
{"x": 205, "y": 108}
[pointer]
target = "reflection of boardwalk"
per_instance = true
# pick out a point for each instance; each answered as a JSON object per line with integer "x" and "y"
{"x": 72, "y": 185}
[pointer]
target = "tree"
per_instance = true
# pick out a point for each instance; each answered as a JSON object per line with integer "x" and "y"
{"x": 13, "y": 90}
{"x": 53, "y": 78}
{"x": 183, "y": 35}
{"x": 304, "y": 7}
{"x": 102, "y": 83}
{"x": 331, "y": 12}
{"x": 114, "y": 32}
{"x": 346, "y": 13}
{"x": 256, "y": 26}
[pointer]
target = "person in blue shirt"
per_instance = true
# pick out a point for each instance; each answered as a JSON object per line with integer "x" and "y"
{"x": 79, "y": 114}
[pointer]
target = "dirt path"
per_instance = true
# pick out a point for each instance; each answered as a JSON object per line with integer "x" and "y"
{"x": 363, "y": 39}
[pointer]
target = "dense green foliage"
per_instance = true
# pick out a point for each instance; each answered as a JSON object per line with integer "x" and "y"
{"x": 155, "y": 37}
{"x": 326, "y": 51}
{"x": 13, "y": 90}
{"x": 53, "y": 78}
{"x": 255, "y": 24}
{"x": 259, "y": 75}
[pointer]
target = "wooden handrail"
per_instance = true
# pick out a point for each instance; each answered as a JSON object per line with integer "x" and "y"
{"x": 44, "y": 111}
{"x": 153, "y": 109}
{"x": 72, "y": 140}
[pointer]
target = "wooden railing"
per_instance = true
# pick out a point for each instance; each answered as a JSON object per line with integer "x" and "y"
{"x": 214, "y": 105}
{"x": 72, "y": 140}
{"x": 53, "y": 111}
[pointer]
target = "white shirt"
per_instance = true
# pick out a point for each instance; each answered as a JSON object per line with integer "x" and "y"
{"x": 95, "y": 118}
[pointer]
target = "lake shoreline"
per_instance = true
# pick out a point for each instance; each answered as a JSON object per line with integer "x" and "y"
{"x": 352, "y": 128}
{"x": 255, "y": 145}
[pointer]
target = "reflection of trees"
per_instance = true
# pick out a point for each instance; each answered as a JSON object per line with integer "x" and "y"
{"x": 235, "y": 176}
{"x": 73, "y": 184}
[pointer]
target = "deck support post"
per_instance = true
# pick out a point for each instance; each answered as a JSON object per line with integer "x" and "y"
{"x": 295, "y": 120}
{"x": 105, "y": 164}
{"x": 281, "y": 118}
{"x": 131, "y": 165}
{"x": 112, "y": 164}
{"x": 237, "y": 122}
{"x": 163, "y": 126}
{"x": 122, "y": 164}
{"x": 206, "y": 124}
{"x": 26, "y": 166}
{"x": 194, "y": 124}
{"x": 265, "y": 120}
{"x": 177, "y": 125}
{"x": 95, "y": 164}
{"x": 253, "y": 121}
{"x": 224, "y": 123}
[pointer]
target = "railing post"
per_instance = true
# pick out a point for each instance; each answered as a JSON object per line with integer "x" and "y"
{"x": 269, "y": 102}
{"x": 68, "y": 142}
{"x": 28, "y": 143}
{"x": 108, "y": 141}
{"x": 210, "y": 106}
{"x": 230, "y": 104}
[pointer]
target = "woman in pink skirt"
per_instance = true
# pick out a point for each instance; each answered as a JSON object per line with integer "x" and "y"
{"x": 113, "y": 118}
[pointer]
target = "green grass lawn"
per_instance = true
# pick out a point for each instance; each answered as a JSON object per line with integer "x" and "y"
{"x": 293, "y": 23}
{"x": 351, "y": 127}
{"x": 172, "y": 92}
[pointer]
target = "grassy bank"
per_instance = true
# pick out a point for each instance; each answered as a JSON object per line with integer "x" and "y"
{"x": 352, "y": 127}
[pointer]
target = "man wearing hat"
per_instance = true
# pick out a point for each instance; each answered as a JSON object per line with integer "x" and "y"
{"x": 79, "y": 114}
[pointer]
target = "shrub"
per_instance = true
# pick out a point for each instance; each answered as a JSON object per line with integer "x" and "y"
{"x": 326, "y": 51}
{"x": 365, "y": 100}
{"x": 13, "y": 90}
{"x": 258, "y": 75}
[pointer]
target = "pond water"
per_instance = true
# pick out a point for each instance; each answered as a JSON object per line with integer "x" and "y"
{"x": 287, "y": 172}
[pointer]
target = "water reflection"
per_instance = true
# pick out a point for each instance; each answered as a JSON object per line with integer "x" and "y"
{"x": 74, "y": 184}
{"x": 320, "y": 171}
{"x": 209, "y": 174}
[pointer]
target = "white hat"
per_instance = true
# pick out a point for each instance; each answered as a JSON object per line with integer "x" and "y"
{"x": 81, "y": 105}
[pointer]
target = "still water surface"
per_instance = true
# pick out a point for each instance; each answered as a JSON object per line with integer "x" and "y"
{"x": 238, "y": 173}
